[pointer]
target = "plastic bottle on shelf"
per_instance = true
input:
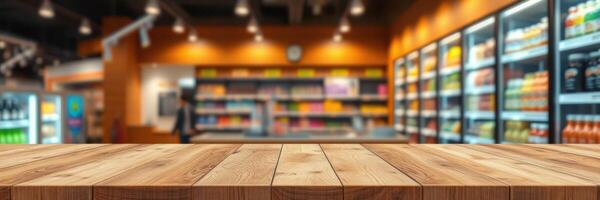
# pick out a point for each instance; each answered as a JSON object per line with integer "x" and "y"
{"x": 577, "y": 129}
{"x": 573, "y": 77}
{"x": 597, "y": 128}
{"x": 579, "y": 21}
{"x": 570, "y": 23}
{"x": 592, "y": 137}
{"x": 588, "y": 126}
{"x": 567, "y": 132}
{"x": 590, "y": 71}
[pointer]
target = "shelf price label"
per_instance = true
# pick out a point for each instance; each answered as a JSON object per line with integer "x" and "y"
{"x": 208, "y": 73}
{"x": 306, "y": 73}
{"x": 272, "y": 73}
{"x": 240, "y": 73}
{"x": 373, "y": 73}
{"x": 340, "y": 72}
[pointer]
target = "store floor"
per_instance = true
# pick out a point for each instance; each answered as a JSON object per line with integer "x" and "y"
{"x": 299, "y": 171}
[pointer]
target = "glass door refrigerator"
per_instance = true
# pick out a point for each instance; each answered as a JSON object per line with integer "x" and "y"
{"x": 412, "y": 97}
{"x": 18, "y": 117}
{"x": 479, "y": 84}
{"x": 51, "y": 126}
{"x": 577, "y": 72}
{"x": 450, "y": 95}
{"x": 523, "y": 73}
{"x": 428, "y": 94}
{"x": 74, "y": 122}
{"x": 399, "y": 95}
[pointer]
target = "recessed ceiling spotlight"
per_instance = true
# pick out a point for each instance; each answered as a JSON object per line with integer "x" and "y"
{"x": 152, "y": 7}
{"x": 85, "y": 28}
{"x": 337, "y": 37}
{"x": 46, "y": 10}
{"x": 252, "y": 25}
{"x": 357, "y": 8}
{"x": 258, "y": 37}
{"x": 192, "y": 36}
{"x": 344, "y": 25}
{"x": 178, "y": 26}
{"x": 241, "y": 8}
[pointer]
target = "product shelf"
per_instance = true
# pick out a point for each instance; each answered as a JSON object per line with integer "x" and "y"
{"x": 481, "y": 64}
{"x": 471, "y": 139}
{"x": 580, "y": 98}
{"x": 10, "y": 124}
{"x": 525, "y": 116}
{"x": 450, "y": 136}
{"x": 524, "y": 54}
{"x": 487, "y": 89}
{"x": 479, "y": 115}
{"x": 580, "y": 42}
{"x": 449, "y": 70}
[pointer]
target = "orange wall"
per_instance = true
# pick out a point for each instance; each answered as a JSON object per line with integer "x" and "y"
{"x": 233, "y": 46}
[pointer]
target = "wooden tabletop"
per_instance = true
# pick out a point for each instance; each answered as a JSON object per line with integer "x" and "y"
{"x": 300, "y": 171}
{"x": 346, "y": 138}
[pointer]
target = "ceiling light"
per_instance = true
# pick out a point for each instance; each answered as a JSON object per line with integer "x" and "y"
{"x": 317, "y": 9}
{"x": 46, "y": 10}
{"x": 337, "y": 37}
{"x": 144, "y": 38}
{"x": 193, "y": 36}
{"x": 344, "y": 25}
{"x": 258, "y": 37}
{"x": 252, "y": 25}
{"x": 2, "y": 44}
{"x": 152, "y": 7}
{"x": 241, "y": 8}
{"x": 85, "y": 28}
{"x": 357, "y": 7}
{"x": 178, "y": 26}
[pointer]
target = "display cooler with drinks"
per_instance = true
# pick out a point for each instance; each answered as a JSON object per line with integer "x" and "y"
{"x": 428, "y": 94}
{"x": 450, "y": 94}
{"x": 400, "y": 95}
{"x": 412, "y": 97}
{"x": 34, "y": 117}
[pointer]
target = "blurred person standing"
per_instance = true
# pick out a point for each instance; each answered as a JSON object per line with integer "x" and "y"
{"x": 183, "y": 123}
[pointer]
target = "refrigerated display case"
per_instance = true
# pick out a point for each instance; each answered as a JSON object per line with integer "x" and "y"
{"x": 412, "y": 97}
{"x": 400, "y": 94}
{"x": 450, "y": 94}
{"x": 51, "y": 126}
{"x": 18, "y": 117}
{"x": 523, "y": 72}
{"x": 479, "y": 82}
{"x": 428, "y": 124}
{"x": 74, "y": 118}
{"x": 577, "y": 81}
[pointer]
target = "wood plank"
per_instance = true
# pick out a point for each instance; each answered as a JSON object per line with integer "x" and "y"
{"x": 169, "y": 177}
{"x": 76, "y": 183}
{"x": 42, "y": 153}
{"x": 527, "y": 181}
{"x": 19, "y": 147}
{"x": 20, "y": 173}
{"x": 303, "y": 172}
{"x": 441, "y": 176}
{"x": 366, "y": 176}
{"x": 575, "y": 149}
{"x": 246, "y": 174}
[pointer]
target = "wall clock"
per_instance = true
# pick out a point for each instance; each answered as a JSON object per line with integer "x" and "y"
{"x": 294, "y": 53}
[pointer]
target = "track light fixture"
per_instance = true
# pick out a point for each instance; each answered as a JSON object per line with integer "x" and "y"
{"x": 178, "y": 26}
{"x": 192, "y": 36}
{"x": 252, "y": 25}
{"x": 152, "y": 7}
{"x": 85, "y": 28}
{"x": 242, "y": 8}
{"x": 46, "y": 10}
{"x": 144, "y": 38}
{"x": 357, "y": 7}
{"x": 344, "y": 25}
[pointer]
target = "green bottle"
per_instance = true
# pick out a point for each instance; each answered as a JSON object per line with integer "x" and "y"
{"x": 2, "y": 140}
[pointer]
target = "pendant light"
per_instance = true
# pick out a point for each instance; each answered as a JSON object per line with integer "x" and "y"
{"x": 241, "y": 8}
{"x": 258, "y": 37}
{"x": 357, "y": 7}
{"x": 344, "y": 25}
{"x": 192, "y": 36}
{"x": 337, "y": 37}
{"x": 46, "y": 10}
{"x": 152, "y": 7}
{"x": 178, "y": 26}
{"x": 85, "y": 27}
{"x": 252, "y": 25}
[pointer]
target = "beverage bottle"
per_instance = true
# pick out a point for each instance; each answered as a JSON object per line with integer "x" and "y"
{"x": 588, "y": 17}
{"x": 579, "y": 20}
{"x": 569, "y": 26}
{"x": 533, "y": 134}
{"x": 588, "y": 127}
{"x": 596, "y": 11}
{"x": 6, "y": 111}
{"x": 573, "y": 75}
{"x": 572, "y": 138}
{"x": 597, "y": 129}
{"x": 590, "y": 71}
{"x": 593, "y": 134}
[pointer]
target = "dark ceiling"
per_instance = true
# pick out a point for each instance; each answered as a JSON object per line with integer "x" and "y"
{"x": 58, "y": 36}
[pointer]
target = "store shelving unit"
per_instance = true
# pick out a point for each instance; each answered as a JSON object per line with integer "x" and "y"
{"x": 479, "y": 43}
{"x": 274, "y": 101}
{"x": 577, "y": 95}
{"x": 428, "y": 78}
{"x": 52, "y": 125}
{"x": 412, "y": 97}
{"x": 523, "y": 71}
{"x": 450, "y": 80}
{"x": 19, "y": 117}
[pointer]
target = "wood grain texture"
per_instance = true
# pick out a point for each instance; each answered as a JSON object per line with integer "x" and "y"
{"x": 76, "y": 183}
{"x": 303, "y": 172}
{"x": 20, "y": 173}
{"x": 169, "y": 177}
{"x": 26, "y": 156}
{"x": 365, "y": 175}
{"x": 245, "y": 174}
{"x": 442, "y": 176}
{"x": 527, "y": 181}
